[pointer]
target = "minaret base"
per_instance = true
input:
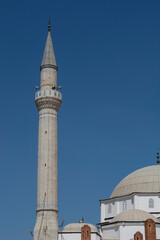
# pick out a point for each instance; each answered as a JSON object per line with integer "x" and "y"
{"x": 46, "y": 226}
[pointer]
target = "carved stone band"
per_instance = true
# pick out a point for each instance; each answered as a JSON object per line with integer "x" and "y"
{"x": 48, "y": 102}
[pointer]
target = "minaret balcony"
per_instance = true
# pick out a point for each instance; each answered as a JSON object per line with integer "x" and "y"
{"x": 48, "y": 98}
{"x": 48, "y": 93}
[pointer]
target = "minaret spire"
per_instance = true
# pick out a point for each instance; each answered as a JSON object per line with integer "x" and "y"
{"x": 49, "y": 59}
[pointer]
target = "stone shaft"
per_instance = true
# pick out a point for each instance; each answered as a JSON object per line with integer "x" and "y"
{"x": 47, "y": 160}
{"x": 48, "y": 101}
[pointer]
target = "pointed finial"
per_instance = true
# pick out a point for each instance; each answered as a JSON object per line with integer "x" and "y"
{"x": 157, "y": 157}
{"x": 49, "y": 25}
{"x": 81, "y": 221}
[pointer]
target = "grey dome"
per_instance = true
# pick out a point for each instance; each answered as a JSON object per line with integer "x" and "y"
{"x": 134, "y": 215}
{"x": 144, "y": 180}
{"x": 76, "y": 227}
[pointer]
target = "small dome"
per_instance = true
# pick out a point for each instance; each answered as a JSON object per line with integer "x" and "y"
{"x": 76, "y": 227}
{"x": 144, "y": 180}
{"x": 134, "y": 215}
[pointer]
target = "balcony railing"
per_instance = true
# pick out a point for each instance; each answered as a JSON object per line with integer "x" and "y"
{"x": 48, "y": 93}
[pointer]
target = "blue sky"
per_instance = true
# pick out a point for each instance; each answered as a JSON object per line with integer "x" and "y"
{"x": 108, "y": 54}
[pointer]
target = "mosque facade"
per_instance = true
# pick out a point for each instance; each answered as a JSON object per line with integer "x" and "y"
{"x": 133, "y": 210}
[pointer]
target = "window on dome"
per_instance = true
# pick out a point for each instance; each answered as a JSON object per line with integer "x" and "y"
{"x": 151, "y": 203}
{"x": 124, "y": 205}
{"x": 109, "y": 208}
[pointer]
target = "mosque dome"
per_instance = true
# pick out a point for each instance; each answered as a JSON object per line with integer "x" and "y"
{"x": 144, "y": 180}
{"x": 134, "y": 215}
{"x": 76, "y": 227}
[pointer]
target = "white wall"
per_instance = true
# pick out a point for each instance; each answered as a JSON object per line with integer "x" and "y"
{"x": 129, "y": 203}
{"x": 144, "y": 204}
{"x": 127, "y": 231}
{"x": 97, "y": 237}
{"x": 110, "y": 231}
{"x": 157, "y": 231}
{"x": 113, "y": 206}
{"x": 116, "y": 207}
{"x": 70, "y": 236}
{"x": 133, "y": 202}
{"x": 136, "y": 202}
{"x": 102, "y": 206}
{"x": 122, "y": 232}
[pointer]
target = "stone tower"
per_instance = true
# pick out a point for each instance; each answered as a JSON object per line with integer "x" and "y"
{"x": 48, "y": 101}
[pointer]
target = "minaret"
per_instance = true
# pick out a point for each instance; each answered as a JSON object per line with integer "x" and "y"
{"x": 48, "y": 101}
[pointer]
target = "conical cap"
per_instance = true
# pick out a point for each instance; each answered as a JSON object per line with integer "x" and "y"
{"x": 48, "y": 56}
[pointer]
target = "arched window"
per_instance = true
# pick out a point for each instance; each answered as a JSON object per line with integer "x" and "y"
{"x": 109, "y": 208}
{"x": 138, "y": 236}
{"x": 150, "y": 229}
{"x": 124, "y": 205}
{"x": 151, "y": 203}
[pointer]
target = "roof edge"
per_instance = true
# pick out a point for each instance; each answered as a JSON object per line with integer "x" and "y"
{"x": 134, "y": 193}
{"x": 109, "y": 223}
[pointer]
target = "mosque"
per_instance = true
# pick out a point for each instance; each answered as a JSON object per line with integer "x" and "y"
{"x": 133, "y": 210}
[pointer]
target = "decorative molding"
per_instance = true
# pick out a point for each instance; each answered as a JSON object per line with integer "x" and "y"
{"x": 47, "y": 116}
{"x": 48, "y": 66}
{"x": 46, "y": 209}
{"x": 48, "y": 102}
{"x": 47, "y": 204}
